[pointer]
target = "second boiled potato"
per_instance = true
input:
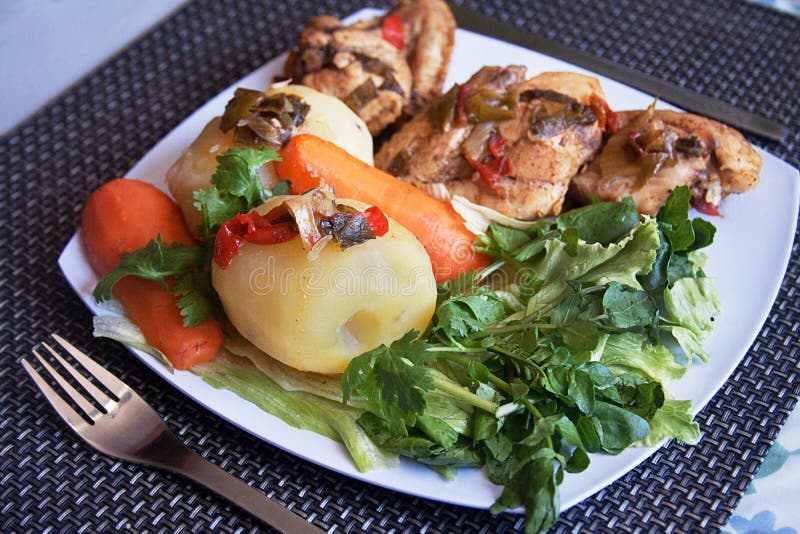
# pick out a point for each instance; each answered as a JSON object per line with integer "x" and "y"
{"x": 328, "y": 118}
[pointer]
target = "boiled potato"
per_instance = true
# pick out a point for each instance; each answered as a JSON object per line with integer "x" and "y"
{"x": 318, "y": 315}
{"x": 328, "y": 118}
{"x": 331, "y": 119}
{"x": 194, "y": 169}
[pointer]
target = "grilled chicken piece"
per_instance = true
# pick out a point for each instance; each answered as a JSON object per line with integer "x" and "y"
{"x": 655, "y": 151}
{"x": 355, "y": 64}
{"x": 429, "y": 30}
{"x": 521, "y": 143}
{"x": 380, "y": 67}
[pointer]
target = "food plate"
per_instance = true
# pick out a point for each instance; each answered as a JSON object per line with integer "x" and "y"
{"x": 748, "y": 260}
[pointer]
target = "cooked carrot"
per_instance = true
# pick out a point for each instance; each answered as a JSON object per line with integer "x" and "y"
{"x": 307, "y": 160}
{"x": 123, "y": 216}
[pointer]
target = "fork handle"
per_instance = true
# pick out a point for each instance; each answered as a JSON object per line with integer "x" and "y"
{"x": 200, "y": 470}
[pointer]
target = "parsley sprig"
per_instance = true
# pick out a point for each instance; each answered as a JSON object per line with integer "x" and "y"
{"x": 236, "y": 187}
{"x": 176, "y": 267}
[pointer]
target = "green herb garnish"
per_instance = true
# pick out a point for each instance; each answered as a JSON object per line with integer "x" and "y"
{"x": 236, "y": 188}
{"x": 158, "y": 262}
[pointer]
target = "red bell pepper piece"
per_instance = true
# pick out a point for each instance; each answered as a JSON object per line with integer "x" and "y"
{"x": 377, "y": 221}
{"x": 706, "y": 208}
{"x": 251, "y": 227}
{"x": 493, "y": 171}
{"x": 392, "y": 30}
{"x": 606, "y": 118}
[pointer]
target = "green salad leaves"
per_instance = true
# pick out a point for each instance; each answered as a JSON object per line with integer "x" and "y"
{"x": 564, "y": 351}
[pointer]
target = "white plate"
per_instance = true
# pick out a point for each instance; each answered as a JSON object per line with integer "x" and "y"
{"x": 748, "y": 259}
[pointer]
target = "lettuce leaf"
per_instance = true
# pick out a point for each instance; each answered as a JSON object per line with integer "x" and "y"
{"x": 123, "y": 330}
{"x": 631, "y": 353}
{"x": 692, "y": 304}
{"x": 672, "y": 420}
{"x": 689, "y": 342}
{"x": 593, "y": 263}
{"x": 634, "y": 257}
{"x": 299, "y": 409}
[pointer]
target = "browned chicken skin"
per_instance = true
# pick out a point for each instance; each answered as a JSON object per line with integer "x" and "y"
{"x": 431, "y": 30}
{"x": 654, "y": 152}
{"x": 376, "y": 79}
{"x": 550, "y": 132}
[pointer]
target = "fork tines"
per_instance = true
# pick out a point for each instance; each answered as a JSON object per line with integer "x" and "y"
{"x": 90, "y": 411}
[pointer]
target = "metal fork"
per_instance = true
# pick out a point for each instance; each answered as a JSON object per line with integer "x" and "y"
{"x": 126, "y": 427}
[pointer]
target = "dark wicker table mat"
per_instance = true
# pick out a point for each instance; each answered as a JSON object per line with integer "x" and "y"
{"x": 738, "y": 52}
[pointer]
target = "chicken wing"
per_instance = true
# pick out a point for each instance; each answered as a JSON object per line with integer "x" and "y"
{"x": 655, "y": 151}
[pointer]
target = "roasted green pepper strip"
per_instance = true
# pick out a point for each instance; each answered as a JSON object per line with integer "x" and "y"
{"x": 487, "y": 105}
{"x": 239, "y": 107}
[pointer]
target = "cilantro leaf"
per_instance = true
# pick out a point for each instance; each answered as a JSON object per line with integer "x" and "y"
{"x": 197, "y": 297}
{"x": 155, "y": 261}
{"x": 158, "y": 262}
{"x": 393, "y": 380}
{"x": 216, "y": 209}
{"x": 460, "y": 316}
{"x": 464, "y": 283}
{"x": 237, "y": 173}
{"x": 236, "y": 187}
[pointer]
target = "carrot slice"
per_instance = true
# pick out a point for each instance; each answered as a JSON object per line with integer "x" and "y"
{"x": 123, "y": 216}
{"x": 307, "y": 160}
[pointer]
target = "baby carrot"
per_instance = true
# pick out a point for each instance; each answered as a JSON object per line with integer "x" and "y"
{"x": 307, "y": 160}
{"x": 123, "y": 216}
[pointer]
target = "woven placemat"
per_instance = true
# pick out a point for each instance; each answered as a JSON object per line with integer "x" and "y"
{"x": 738, "y": 52}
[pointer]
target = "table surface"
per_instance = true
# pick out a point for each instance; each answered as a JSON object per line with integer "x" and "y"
{"x": 47, "y": 46}
{"x": 86, "y": 34}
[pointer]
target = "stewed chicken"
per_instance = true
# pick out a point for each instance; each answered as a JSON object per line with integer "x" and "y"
{"x": 382, "y": 67}
{"x": 503, "y": 142}
{"x": 655, "y": 151}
